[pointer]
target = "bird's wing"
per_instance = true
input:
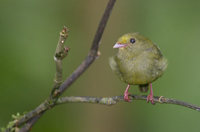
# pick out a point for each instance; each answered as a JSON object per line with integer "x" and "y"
{"x": 162, "y": 64}
{"x": 114, "y": 66}
{"x": 113, "y": 63}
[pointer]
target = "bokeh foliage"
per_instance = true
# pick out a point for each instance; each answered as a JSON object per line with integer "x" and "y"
{"x": 29, "y": 32}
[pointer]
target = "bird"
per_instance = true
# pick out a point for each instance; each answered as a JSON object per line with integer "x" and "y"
{"x": 138, "y": 61}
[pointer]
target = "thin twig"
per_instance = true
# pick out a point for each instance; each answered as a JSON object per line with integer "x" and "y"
{"x": 60, "y": 53}
{"x": 115, "y": 99}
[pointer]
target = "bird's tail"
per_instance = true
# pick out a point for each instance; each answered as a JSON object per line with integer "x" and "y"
{"x": 144, "y": 87}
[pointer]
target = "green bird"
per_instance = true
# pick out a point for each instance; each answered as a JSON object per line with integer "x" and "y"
{"x": 138, "y": 62}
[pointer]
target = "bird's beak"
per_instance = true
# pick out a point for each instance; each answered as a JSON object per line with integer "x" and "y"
{"x": 118, "y": 45}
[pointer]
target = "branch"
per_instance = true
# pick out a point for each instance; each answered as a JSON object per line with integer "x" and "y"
{"x": 60, "y": 53}
{"x": 29, "y": 124}
{"x": 31, "y": 117}
{"x": 38, "y": 111}
{"x": 115, "y": 99}
{"x": 93, "y": 51}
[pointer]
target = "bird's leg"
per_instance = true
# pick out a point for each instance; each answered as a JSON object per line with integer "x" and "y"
{"x": 150, "y": 96}
{"x": 126, "y": 94}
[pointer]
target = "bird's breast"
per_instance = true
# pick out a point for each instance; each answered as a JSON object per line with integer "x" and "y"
{"x": 136, "y": 69}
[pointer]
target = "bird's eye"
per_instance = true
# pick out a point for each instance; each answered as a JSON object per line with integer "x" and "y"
{"x": 132, "y": 40}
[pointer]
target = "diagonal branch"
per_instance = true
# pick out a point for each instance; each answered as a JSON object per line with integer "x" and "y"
{"x": 93, "y": 51}
{"x": 29, "y": 124}
{"x": 115, "y": 99}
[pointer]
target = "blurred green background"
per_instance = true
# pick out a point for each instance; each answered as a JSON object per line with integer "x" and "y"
{"x": 29, "y": 31}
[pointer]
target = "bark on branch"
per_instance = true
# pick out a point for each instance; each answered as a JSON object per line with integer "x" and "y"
{"x": 115, "y": 99}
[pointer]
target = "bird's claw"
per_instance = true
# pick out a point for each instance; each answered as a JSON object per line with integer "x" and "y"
{"x": 150, "y": 98}
{"x": 126, "y": 97}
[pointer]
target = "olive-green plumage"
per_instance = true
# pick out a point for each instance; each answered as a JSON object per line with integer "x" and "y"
{"x": 139, "y": 61}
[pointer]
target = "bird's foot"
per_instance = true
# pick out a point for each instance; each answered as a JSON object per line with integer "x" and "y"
{"x": 126, "y": 94}
{"x": 150, "y": 96}
{"x": 126, "y": 97}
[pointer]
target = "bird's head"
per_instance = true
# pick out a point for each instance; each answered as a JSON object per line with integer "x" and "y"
{"x": 131, "y": 41}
